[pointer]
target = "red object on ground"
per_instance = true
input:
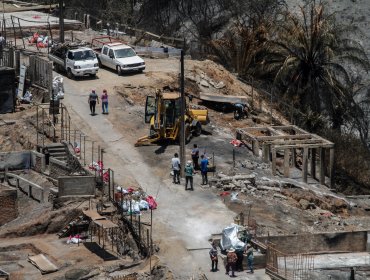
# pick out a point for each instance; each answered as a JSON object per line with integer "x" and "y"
{"x": 224, "y": 193}
{"x": 236, "y": 143}
{"x": 152, "y": 203}
{"x": 37, "y": 17}
{"x": 130, "y": 190}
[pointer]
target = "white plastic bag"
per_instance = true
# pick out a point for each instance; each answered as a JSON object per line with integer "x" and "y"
{"x": 58, "y": 87}
{"x": 144, "y": 205}
{"x": 234, "y": 197}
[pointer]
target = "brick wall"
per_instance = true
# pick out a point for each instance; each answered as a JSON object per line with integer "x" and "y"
{"x": 320, "y": 242}
{"x": 8, "y": 204}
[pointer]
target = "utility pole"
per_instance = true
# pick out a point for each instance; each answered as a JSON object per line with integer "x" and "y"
{"x": 61, "y": 21}
{"x": 182, "y": 119}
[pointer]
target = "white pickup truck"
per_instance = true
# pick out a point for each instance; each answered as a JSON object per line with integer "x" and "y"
{"x": 77, "y": 62}
{"x": 117, "y": 56}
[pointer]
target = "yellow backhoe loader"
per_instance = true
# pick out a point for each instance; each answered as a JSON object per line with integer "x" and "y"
{"x": 163, "y": 113}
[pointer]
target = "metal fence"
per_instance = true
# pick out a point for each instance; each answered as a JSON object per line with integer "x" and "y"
{"x": 287, "y": 266}
{"x": 41, "y": 72}
{"x": 7, "y": 57}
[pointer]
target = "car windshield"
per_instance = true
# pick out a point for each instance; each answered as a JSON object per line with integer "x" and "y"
{"x": 122, "y": 53}
{"x": 84, "y": 55}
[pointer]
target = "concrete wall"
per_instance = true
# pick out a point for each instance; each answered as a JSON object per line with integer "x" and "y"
{"x": 58, "y": 168}
{"x": 321, "y": 242}
{"x": 76, "y": 186}
{"x": 8, "y": 204}
{"x": 16, "y": 160}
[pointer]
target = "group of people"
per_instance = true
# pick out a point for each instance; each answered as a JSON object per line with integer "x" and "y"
{"x": 234, "y": 259}
{"x": 190, "y": 168}
{"x": 94, "y": 98}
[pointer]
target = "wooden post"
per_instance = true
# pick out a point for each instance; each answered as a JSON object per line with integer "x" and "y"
{"x": 62, "y": 124}
{"x": 331, "y": 168}
{"x": 322, "y": 166}
{"x": 273, "y": 161}
{"x": 293, "y": 158}
{"x": 84, "y": 149}
{"x": 265, "y": 149}
{"x": 286, "y": 162}
{"x": 255, "y": 147}
{"x": 313, "y": 163}
{"x": 304, "y": 164}
{"x": 69, "y": 129}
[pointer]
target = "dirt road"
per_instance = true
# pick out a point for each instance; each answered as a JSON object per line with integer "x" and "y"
{"x": 184, "y": 219}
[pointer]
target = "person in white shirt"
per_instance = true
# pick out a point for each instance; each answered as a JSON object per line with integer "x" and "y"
{"x": 176, "y": 169}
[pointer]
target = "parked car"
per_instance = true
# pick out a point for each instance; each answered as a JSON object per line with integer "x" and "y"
{"x": 117, "y": 55}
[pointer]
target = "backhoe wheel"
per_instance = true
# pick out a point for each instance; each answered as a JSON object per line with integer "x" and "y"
{"x": 187, "y": 133}
{"x": 119, "y": 70}
{"x": 197, "y": 129}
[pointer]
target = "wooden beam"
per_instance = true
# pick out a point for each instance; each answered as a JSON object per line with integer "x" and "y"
{"x": 331, "y": 168}
{"x": 322, "y": 165}
{"x": 273, "y": 161}
{"x": 305, "y": 164}
{"x": 286, "y": 163}
{"x": 311, "y": 146}
{"x": 287, "y": 136}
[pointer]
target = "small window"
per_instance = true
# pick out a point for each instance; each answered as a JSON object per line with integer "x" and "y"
{"x": 70, "y": 55}
{"x": 105, "y": 50}
{"x": 111, "y": 53}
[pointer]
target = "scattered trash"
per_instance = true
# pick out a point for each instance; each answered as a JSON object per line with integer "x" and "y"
{"x": 27, "y": 98}
{"x": 234, "y": 197}
{"x": 152, "y": 203}
{"x": 74, "y": 239}
{"x": 236, "y": 143}
{"x": 58, "y": 87}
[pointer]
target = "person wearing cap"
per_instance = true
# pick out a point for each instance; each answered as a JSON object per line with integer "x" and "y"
{"x": 93, "y": 98}
{"x": 104, "y": 102}
{"x": 189, "y": 171}
{"x": 250, "y": 257}
{"x": 231, "y": 259}
{"x": 214, "y": 258}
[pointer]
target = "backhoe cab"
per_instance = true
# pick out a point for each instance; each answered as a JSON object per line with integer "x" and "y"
{"x": 163, "y": 113}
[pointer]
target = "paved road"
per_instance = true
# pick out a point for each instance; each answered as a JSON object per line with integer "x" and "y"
{"x": 183, "y": 219}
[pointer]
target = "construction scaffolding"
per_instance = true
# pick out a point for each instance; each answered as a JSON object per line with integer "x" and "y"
{"x": 291, "y": 140}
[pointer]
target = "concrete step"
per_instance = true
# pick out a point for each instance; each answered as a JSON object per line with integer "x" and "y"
{"x": 58, "y": 154}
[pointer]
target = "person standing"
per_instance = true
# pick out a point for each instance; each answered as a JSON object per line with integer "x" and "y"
{"x": 189, "y": 171}
{"x": 195, "y": 156}
{"x": 214, "y": 258}
{"x": 250, "y": 257}
{"x": 104, "y": 102}
{"x": 231, "y": 258}
{"x": 93, "y": 98}
{"x": 176, "y": 168}
{"x": 204, "y": 169}
{"x": 239, "y": 262}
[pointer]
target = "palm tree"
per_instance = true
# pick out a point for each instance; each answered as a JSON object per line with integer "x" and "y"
{"x": 310, "y": 59}
{"x": 243, "y": 42}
